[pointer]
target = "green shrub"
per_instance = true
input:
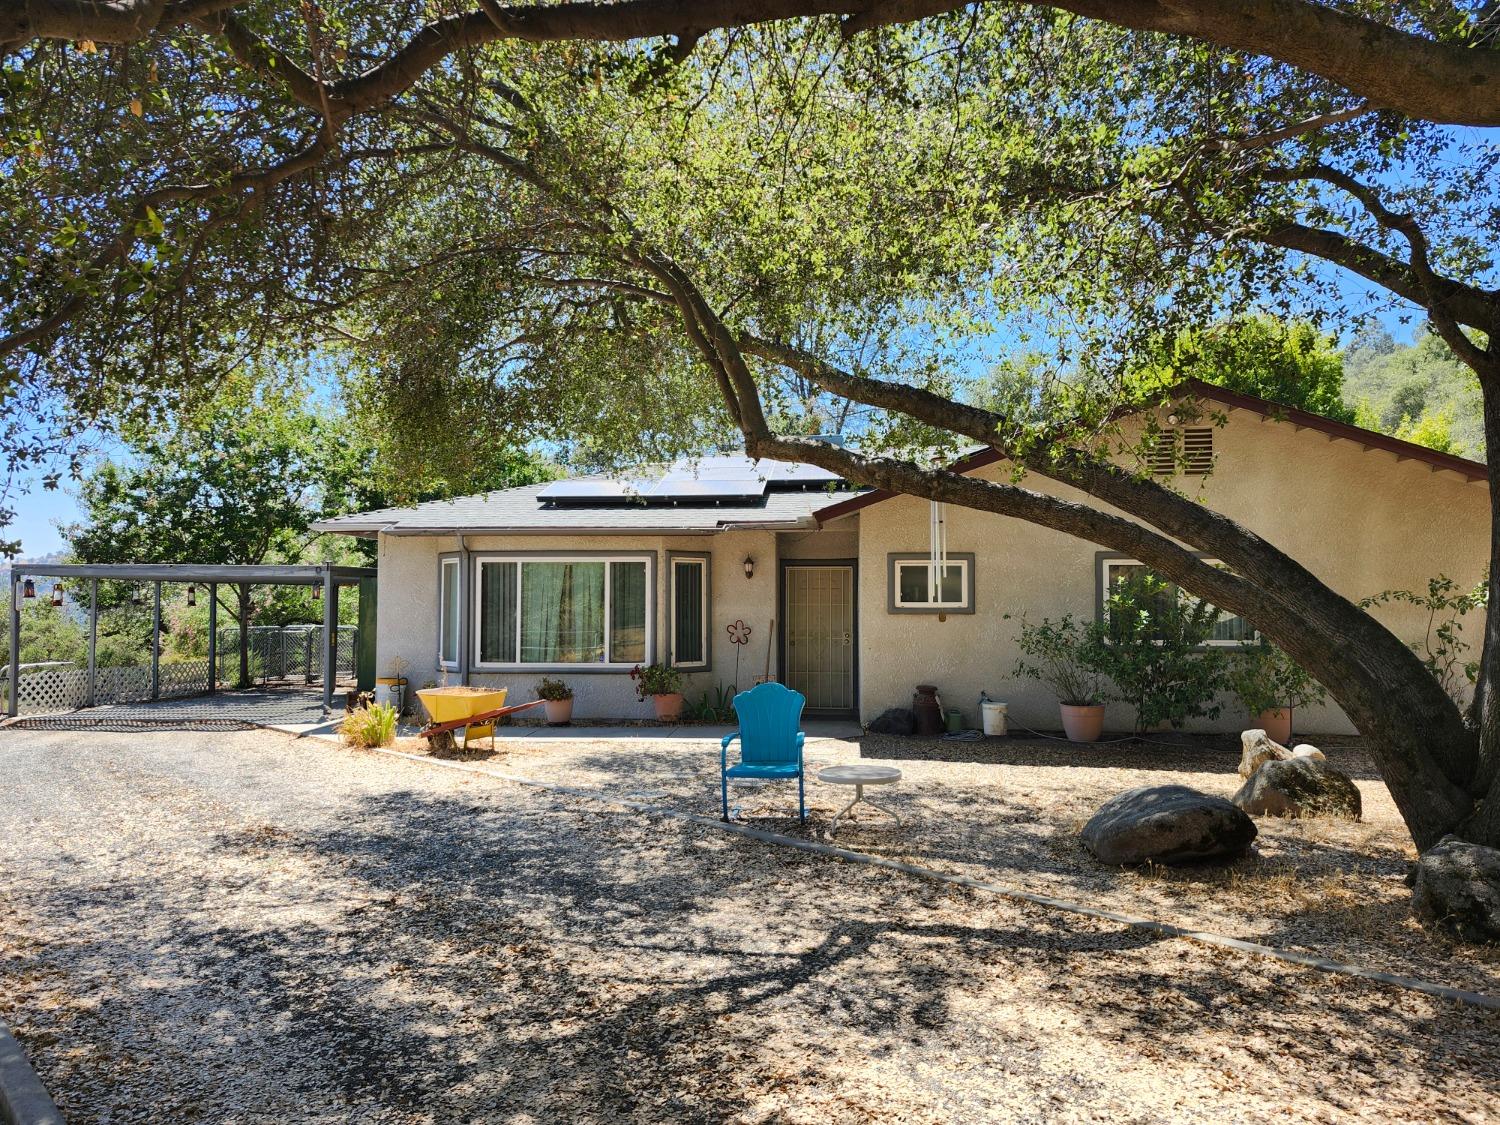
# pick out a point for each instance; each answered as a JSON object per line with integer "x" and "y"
{"x": 655, "y": 679}
{"x": 714, "y": 707}
{"x": 1264, "y": 678}
{"x": 554, "y": 691}
{"x": 1067, "y": 655}
{"x": 1156, "y": 655}
{"x": 374, "y": 725}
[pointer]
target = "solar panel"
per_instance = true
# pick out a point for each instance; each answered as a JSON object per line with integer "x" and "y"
{"x": 726, "y": 489}
{"x": 594, "y": 491}
{"x": 792, "y": 472}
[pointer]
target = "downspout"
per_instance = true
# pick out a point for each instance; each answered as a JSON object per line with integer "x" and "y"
{"x": 465, "y": 611}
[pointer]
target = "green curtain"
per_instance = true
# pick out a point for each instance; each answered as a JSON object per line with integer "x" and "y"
{"x": 627, "y": 612}
{"x": 562, "y": 613}
{"x": 497, "y": 612}
{"x": 449, "y": 653}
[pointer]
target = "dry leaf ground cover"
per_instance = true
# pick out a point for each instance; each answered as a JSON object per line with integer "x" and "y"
{"x": 246, "y": 927}
{"x": 1009, "y": 810}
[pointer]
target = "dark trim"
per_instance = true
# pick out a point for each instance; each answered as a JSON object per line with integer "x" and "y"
{"x": 1271, "y": 411}
{"x": 669, "y": 630}
{"x": 894, "y": 557}
{"x": 782, "y": 565}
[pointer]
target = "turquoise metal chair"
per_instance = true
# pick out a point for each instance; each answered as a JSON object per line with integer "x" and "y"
{"x": 770, "y": 743}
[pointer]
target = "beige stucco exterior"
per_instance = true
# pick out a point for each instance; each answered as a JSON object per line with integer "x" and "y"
{"x": 1361, "y": 519}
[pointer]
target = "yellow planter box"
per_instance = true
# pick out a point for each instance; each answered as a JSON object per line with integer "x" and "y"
{"x": 445, "y": 705}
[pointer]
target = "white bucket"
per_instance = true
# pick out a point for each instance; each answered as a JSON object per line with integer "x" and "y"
{"x": 994, "y": 717}
{"x": 389, "y": 693}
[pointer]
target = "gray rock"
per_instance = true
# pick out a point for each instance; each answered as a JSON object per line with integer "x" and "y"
{"x": 1458, "y": 888}
{"x": 1256, "y": 749}
{"x": 895, "y": 720}
{"x": 1167, "y": 824}
{"x": 1299, "y": 787}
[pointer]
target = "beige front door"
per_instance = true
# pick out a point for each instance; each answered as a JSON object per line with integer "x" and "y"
{"x": 819, "y": 647}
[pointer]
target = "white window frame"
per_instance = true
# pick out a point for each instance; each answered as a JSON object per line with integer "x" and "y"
{"x": 1108, "y": 563}
{"x": 521, "y": 560}
{"x": 701, "y": 561}
{"x": 443, "y": 564}
{"x": 965, "y": 604}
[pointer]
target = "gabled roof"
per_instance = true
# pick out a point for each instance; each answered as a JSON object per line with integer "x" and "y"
{"x": 1234, "y": 400}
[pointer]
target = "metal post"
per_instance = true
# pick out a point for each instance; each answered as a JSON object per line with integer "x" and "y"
{"x": 13, "y": 697}
{"x": 156, "y": 642}
{"x": 213, "y": 636}
{"x": 90, "y": 694}
{"x": 330, "y": 636}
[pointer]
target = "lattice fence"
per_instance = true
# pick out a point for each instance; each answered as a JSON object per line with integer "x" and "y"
{"x": 48, "y": 690}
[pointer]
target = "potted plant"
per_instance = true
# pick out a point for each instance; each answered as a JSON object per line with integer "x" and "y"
{"x": 557, "y": 701}
{"x": 1270, "y": 685}
{"x": 663, "y": 685}
{"x": 1068, "y": 656}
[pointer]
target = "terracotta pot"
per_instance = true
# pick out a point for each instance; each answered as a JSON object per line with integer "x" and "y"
{"x": 1277, "y": 724}
{"x": 559, "y": 711}
{"x": 668, "y": 706}
{"x": 1082, "y": 724}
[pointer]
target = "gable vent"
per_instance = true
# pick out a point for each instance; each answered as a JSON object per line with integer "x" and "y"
{"x": 1197, "y": 452}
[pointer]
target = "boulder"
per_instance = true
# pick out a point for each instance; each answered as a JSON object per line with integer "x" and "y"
{"x": 1458, "y": 888}
{"x": 1301, "y": 786}
{"x": 1307, "y": 750}
{"x": 1256, "y": 749}
{"x": 1167, "y": 824}
{"x": 894, "y": 720}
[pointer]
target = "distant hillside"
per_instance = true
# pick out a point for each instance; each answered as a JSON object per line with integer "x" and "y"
{"x": 1416, "y": 391}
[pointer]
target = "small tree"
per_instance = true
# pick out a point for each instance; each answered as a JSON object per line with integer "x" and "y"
{"x": 1156, "y": 653}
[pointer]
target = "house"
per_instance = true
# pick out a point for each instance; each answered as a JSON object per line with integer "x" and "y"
{"x": 585, "y": 579}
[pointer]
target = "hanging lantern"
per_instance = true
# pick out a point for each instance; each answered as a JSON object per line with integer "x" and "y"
{"x": 318, "y": 592}
{"x": 57, "y": 593}
{"x": 192, "y": 597}
{"x": 28, "y": 589}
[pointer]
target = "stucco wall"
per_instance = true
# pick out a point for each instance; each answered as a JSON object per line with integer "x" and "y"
{"x": 1358, "y": 519}
{"x": 408, "y": 611}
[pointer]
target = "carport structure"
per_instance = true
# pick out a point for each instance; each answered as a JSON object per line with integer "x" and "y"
{"x": 331, "y": 577}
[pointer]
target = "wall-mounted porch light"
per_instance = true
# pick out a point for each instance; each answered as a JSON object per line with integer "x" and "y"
{"x": 749, "y": 567}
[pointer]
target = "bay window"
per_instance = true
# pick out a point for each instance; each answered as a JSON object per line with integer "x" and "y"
{"x": 563, "y": 610}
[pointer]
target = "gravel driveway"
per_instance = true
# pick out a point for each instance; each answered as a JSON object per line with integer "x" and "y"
{"x": 249, "y": 928}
